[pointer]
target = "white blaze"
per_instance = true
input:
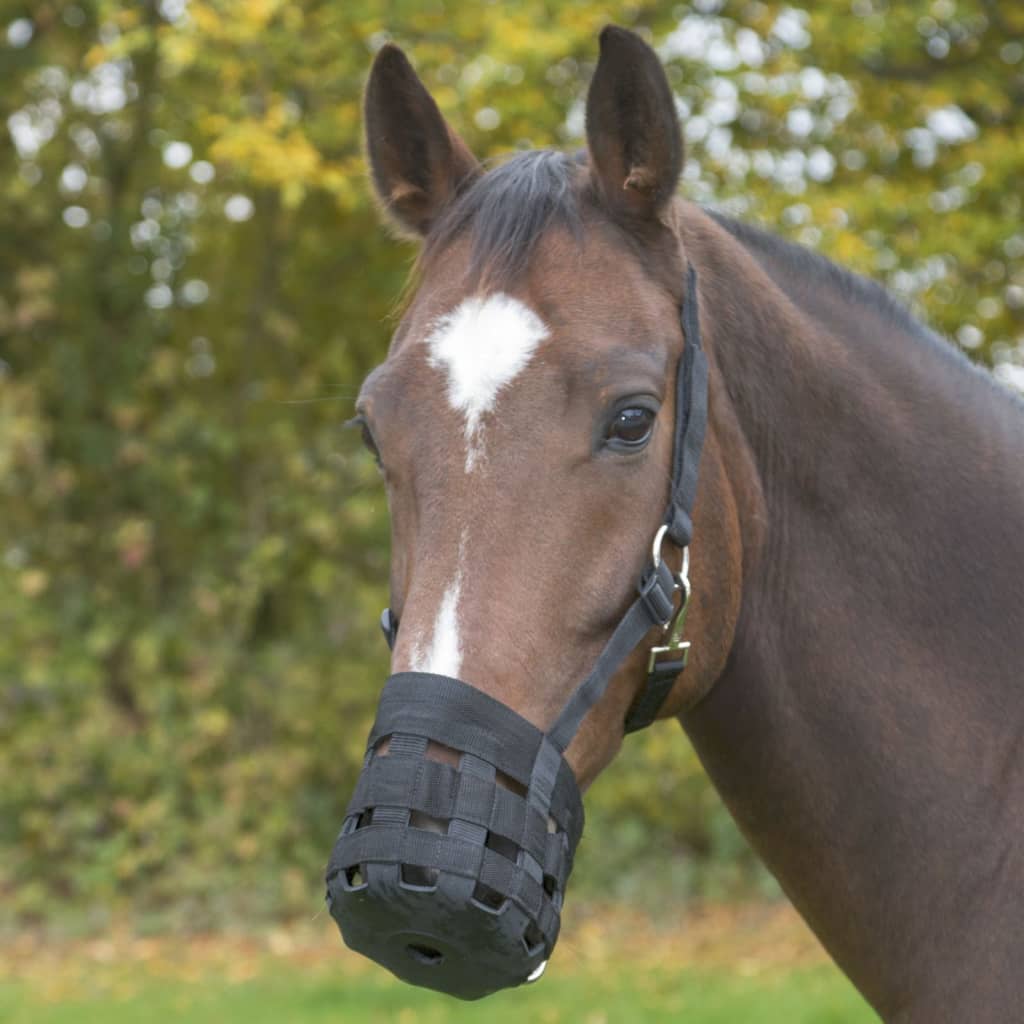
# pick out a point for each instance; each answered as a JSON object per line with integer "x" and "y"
{"x": 442, "y": 654}
{"x": 482, "y": 345}
{"x": 445, "y": 655}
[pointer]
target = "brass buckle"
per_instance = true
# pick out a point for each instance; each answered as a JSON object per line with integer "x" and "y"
{"x": 674, "y": 643}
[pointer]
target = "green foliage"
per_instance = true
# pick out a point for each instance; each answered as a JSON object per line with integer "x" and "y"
{"x": 193, "y": 283}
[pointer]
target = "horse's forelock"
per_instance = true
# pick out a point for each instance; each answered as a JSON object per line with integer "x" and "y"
{"x": 507, "y": 211}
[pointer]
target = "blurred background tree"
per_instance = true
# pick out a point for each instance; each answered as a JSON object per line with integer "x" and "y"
{"x": 193, "y": 283}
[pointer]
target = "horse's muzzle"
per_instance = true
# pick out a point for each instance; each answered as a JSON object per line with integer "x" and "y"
{"x": 453, "y": 876}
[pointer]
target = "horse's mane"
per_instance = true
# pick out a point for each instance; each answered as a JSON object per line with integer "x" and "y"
{"x": 807, "y": 263}
{"x": 802, "y": 264}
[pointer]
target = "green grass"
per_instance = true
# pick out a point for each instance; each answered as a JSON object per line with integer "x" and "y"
{"x": 728, "y": 964}
{"x": 817, "y": 995}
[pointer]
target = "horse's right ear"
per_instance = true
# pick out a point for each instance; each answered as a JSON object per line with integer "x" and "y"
{"x": 418, "y": 163}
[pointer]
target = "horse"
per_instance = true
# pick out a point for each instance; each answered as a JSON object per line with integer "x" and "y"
{"x": 853, "y": 588}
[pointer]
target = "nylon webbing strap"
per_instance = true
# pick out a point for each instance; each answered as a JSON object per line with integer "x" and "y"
{"x": 660, "y": 680}
{"x": 632, "y": 628}
{"x": 691, "y": 420}
{"x": 466, "y": 719}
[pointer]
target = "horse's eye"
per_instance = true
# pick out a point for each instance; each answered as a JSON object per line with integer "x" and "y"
{"x": 371, "y": 445}
{"x": 359, "y": 420}
{"x": 630, "y": 429}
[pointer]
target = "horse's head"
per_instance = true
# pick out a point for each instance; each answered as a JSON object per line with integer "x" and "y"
{"x": 529, "y": 420}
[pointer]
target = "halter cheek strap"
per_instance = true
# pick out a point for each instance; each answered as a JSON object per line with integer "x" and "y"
{"x": 662, "y": 596}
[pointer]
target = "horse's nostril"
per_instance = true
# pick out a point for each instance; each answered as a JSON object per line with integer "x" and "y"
{"x": 424, "y": 954}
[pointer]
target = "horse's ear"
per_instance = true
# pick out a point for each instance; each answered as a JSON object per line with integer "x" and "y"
{"x": 418, "y": 163}
{"x": 636, "y": 147}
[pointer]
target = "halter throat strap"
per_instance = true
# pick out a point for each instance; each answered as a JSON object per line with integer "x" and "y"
{"x": 662, "y": 595}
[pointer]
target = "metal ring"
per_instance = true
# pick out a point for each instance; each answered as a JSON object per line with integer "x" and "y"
{"x": 656, "y": 546}
{"x": 683, "y": 576}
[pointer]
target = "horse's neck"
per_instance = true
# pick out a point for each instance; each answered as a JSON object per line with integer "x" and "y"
{"x": 868, "y": 734}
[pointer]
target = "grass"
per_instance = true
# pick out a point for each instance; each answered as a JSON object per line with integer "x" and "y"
{"x": 756, "y": 965}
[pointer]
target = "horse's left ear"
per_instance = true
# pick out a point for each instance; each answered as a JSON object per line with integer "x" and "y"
{"x": 417, "y": 161}
{"x": 636, "y": 147}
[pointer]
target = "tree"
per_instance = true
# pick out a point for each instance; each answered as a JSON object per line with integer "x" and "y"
{"x": 192, "y": 284}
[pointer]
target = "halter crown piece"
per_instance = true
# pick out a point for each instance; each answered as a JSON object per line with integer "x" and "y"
{"x": 449, "y": 877}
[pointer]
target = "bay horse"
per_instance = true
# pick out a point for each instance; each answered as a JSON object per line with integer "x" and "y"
{"x": 855, "y": 689}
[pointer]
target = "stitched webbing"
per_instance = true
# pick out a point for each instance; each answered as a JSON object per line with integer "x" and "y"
{"x": 475, "y": 723}
{"x": 444, "y": 793}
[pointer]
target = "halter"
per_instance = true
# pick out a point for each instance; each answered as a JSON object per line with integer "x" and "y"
{"x": 449, "y": 876}
{"x": 655, "y": 604}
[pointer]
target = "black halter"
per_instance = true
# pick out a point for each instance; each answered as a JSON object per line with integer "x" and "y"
{"x": 447, "y": 875}
{"x": 656, "y": 601}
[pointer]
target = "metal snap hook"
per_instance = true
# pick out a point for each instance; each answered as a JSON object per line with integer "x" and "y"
{"x": 673, "y": 644}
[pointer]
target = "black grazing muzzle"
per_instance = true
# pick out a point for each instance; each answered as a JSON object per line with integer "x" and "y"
{"x": 453, "y": 876}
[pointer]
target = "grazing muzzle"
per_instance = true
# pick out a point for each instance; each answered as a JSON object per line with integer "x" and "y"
{"x": 453, "y": 875}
